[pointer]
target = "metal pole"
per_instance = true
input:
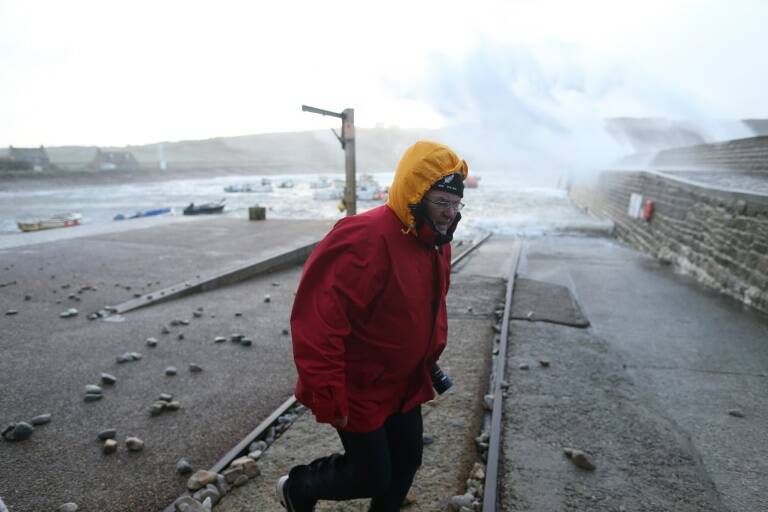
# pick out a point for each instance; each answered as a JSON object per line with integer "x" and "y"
{"x": 348, "y": 135}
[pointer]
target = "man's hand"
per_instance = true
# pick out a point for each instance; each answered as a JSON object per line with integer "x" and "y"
{"x": 340, "y": 422}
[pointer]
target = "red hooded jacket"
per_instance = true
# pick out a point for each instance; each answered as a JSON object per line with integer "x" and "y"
{"x": 369, "y": 318}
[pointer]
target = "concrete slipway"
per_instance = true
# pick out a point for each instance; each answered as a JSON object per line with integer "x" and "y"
{"x": 680, "y": 357}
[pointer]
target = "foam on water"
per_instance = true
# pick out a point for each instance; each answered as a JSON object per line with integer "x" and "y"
{"x": 501, "y": 203}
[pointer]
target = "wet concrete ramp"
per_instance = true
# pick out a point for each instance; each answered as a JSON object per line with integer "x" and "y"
{"x": 540, "y": 301}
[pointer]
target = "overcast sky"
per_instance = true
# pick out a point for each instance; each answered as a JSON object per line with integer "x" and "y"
{"x": 113, "y": 73}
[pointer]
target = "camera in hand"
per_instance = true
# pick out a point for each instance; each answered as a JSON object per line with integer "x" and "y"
{"x": 440, "y": 381}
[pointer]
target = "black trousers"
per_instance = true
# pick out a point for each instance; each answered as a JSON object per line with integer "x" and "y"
{"x": 379, "y": 465}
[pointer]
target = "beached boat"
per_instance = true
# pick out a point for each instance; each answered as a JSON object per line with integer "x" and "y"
{"x": 147, "y": 213}
{"x": 62, "y": 220}
{"x": 204, "y": 209}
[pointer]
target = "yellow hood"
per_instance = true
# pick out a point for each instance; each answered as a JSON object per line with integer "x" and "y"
{"x": 420, "y": 167}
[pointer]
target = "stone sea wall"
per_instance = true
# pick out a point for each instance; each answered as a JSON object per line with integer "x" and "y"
{"x": 718, "y": 236}
{"x": 742, "y": 154}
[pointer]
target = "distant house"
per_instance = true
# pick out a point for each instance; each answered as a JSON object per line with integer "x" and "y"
{"x": 114, "y": 161}
{"x": 37, "y": 158}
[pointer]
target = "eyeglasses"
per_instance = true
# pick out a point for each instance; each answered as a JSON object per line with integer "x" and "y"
{"x": 446, "y": 205}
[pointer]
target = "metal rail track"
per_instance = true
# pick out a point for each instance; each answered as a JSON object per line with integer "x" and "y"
{"x": 490, "y": 495}
{"x": 241, "y": 448}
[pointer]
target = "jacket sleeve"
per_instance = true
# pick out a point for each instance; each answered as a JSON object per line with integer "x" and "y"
{"x": 341, "y": 280}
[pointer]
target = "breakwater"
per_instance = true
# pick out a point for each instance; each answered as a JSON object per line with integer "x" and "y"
{"x": 716, "y": 234}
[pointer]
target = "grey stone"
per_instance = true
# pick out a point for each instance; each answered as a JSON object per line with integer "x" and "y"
{"x": 524, "y": 366}
{"x": 737, "y": 413}
{"x": 579, "y": 458}
{"x": 134, "y": 444}
{"x": 197, "y": 314}
{"x": 180, "y": 336}
{"x": 210, "y": 492}
{"x": 93, "y": 389}
{"x": 41, "y": 419}
{"x": 125, "y": 357}
{"x": 219, "y": 339}
{"x": 195, "y": 368}
{"x": 544, "y": 363}
{"x": 255, "y": 455}
{"x": 257, "y": 446}
{"x": 246, "y": 342}
{"x": 109, "y": 433}
{"x": 200, "y": 479}
{"x": 136, "y": 355}
{"x": 93, "y": 397}
{"x": 165, "y": 397}
{"x": 188, "y": 504}
{"x": 241, "y": 480}
{"x": 173, "y": 405}
{"x": 109, "y": 446}
{"x": 231, "y": 474}
{"x": 285, "y": 332}
{"x": 183, "y": 467}
{"x": 222, "y": 485}
{"x": 11, "y": 312}
{"x": 156, "y": 408}
{"x": 108, "y": 379}
{"x": 152, "y": 342}
{"x": 267, "y": 298}
{"x": 21, "y": 432}
{"x": 170, "y": 371}
{"x": 465, "y": 500}
{"x": 68, "y": 507}
{"x": 236, "y": 338}
{"x": 249, "y": 465}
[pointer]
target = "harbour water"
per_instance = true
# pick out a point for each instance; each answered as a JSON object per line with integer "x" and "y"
{"x": 502, "y": 203}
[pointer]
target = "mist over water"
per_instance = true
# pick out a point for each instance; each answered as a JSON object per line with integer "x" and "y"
{"x": 505, "y": 203}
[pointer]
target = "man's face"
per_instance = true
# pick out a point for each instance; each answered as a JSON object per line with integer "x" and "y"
{"x": 442, "y": 208}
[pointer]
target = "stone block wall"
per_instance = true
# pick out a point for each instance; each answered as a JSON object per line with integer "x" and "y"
{"x": 742, "y": 154}
{"x": 720, "y": 237}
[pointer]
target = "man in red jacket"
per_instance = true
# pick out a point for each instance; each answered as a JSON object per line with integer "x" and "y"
{"x": 368, "y": 324}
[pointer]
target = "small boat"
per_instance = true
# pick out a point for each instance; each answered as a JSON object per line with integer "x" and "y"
{"x": 204, "y": 209}
{"x": 147, "y": 213}
{"x": 322, "y": 182}
{"x": 264, "y": 186}
{"x": 62, "y": 220}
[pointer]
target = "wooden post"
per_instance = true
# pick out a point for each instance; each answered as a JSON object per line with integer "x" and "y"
{"x": 347, "y": 140}
{"x": 348, "y": 135}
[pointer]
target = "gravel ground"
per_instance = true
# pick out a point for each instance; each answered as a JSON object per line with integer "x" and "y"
{"x": 46, "y": 361}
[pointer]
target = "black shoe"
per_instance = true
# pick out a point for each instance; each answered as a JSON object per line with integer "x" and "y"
{"x": 290, "y": 503}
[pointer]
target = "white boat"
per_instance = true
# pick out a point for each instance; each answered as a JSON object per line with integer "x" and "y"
{"x": 62, "y": 220}
{"x": 322, "y": 182}
{"x": 367, "y": 190}
{"x": 264, "y": 186}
